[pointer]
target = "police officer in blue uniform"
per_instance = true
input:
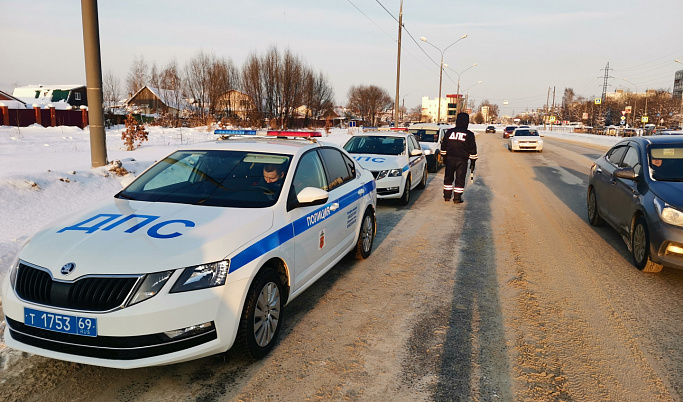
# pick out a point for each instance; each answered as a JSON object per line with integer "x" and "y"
{"x": 457, "y": 147}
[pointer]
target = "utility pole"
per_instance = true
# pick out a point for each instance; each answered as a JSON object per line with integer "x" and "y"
{"x": 93, "y": 75}
{"x": 398, "y": 64}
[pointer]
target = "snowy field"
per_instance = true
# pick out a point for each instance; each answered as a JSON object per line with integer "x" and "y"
{"x": 45, "y": 173}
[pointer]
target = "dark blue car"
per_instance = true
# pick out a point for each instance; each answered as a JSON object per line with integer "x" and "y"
{"x": 637, "y": 188}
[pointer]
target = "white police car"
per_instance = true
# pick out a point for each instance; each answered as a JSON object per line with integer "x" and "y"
{"x": 430, "y": 135}
{"x": 204, "y": 249}
{"x": 395, "y": 159}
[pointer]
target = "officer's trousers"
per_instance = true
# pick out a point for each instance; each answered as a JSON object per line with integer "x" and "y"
{"x": 454, "y": 167}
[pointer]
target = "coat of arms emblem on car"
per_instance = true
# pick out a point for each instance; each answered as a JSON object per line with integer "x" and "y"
{"x": 68, "y": 268}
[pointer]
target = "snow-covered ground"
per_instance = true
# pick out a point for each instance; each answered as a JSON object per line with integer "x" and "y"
{"x": 46, "y": 173}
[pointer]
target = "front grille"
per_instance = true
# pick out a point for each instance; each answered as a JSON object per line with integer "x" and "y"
{"x": 85, "y": 294}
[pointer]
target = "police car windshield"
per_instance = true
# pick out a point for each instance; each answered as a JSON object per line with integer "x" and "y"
{"x": 375, "y": 144}
{"x": 425, "y": 135}
{"x": 666, "y": 162}
{"x": 213, "y": 178}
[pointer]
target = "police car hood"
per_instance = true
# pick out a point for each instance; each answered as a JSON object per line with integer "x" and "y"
{"x": 132, "y": 237}
{"x": 375, "y": 162}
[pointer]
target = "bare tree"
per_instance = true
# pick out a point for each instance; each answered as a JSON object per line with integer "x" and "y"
{"x": 198, "y": 81}
{"x": 254, "y": 87}
{"x": 321, "y": 95}
{"x": 137, "y": 76}
{"x": 368, "y": 101}
{"x": 232, "y": 82}
{"x": 171, "y": 90}
{"x": 111, "y": 90}
{"x": 415, "y": 114}
{"x": 493, "y": 112}
{"x": 292, "y": 87}
{"x": 155, "y": 76}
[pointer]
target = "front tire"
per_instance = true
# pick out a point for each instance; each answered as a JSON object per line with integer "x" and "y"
{"x": 366, "y": 236}
{"x": 405, "y": 197}
{"x": 423, "y": 182}
{"x": 262, "y": 315}
{"x": 433, "y": 164}
{"x": 640, "y": 247}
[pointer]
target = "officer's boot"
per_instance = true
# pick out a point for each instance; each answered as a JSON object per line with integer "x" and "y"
{"x": 457, "y": 198}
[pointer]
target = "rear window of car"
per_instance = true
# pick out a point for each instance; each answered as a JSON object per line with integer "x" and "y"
{"x": 425, "y": 135}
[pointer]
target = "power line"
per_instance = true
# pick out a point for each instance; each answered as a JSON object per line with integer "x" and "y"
{"x": 370, "y": 19}
{"x": 385, "y": 9}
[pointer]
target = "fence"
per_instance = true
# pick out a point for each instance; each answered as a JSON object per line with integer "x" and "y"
{"x": 48, "y": 117}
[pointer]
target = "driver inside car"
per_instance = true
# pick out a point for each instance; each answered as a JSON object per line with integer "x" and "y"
{"x": 273, "y": 177}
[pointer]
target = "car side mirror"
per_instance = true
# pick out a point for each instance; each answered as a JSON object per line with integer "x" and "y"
{"x": 416, "y": 152}
{"x": 311, "y": 196}
{"x": 626, "y": 173}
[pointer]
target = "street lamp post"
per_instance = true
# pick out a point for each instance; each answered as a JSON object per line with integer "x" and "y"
{"x": 458, "y": 110}
{"x": 467, "y": 91}
{"x": 423, "y": 39}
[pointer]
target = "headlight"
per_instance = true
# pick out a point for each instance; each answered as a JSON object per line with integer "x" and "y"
{"x": 13, "y": 270}
{"x": 151, "y": 285}
{"x": 202, "y": 276}
{"x": 428, "y": 151}
{"x": 389, "y": 173}
{"x": 667, "y": 213}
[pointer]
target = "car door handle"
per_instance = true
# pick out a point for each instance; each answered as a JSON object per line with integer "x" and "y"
{"x": 334, "y": 206}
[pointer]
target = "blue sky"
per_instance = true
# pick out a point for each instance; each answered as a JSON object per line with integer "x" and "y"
{"x": 521, "y": 47}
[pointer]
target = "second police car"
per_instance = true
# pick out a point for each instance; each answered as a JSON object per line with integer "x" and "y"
{"x": 201, "y": 251}
{"x": 395, "y": 159}
{"x": 430, "y": 135}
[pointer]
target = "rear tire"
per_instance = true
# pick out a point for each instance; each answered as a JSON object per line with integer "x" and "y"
{"x": 640, "y": 247}
{"x": 262, "y": 315}
{"x": 366, "y": 236}
{"x": 405, "y": 197}
{"x": 594, "y": 217}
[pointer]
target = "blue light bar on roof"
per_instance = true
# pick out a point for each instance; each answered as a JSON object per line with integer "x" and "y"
{"x": 235, "y": 132}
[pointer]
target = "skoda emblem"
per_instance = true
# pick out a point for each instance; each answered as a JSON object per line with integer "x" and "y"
{"x": 68, "y": 268}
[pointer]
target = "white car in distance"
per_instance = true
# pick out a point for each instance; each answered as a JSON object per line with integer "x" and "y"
{"x": 525, "y": 139}
{"x": 201, "y": 251}
{"x": 395, "y": 159}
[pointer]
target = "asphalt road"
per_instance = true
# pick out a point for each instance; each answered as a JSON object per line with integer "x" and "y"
{"x": 511, "y": 295}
